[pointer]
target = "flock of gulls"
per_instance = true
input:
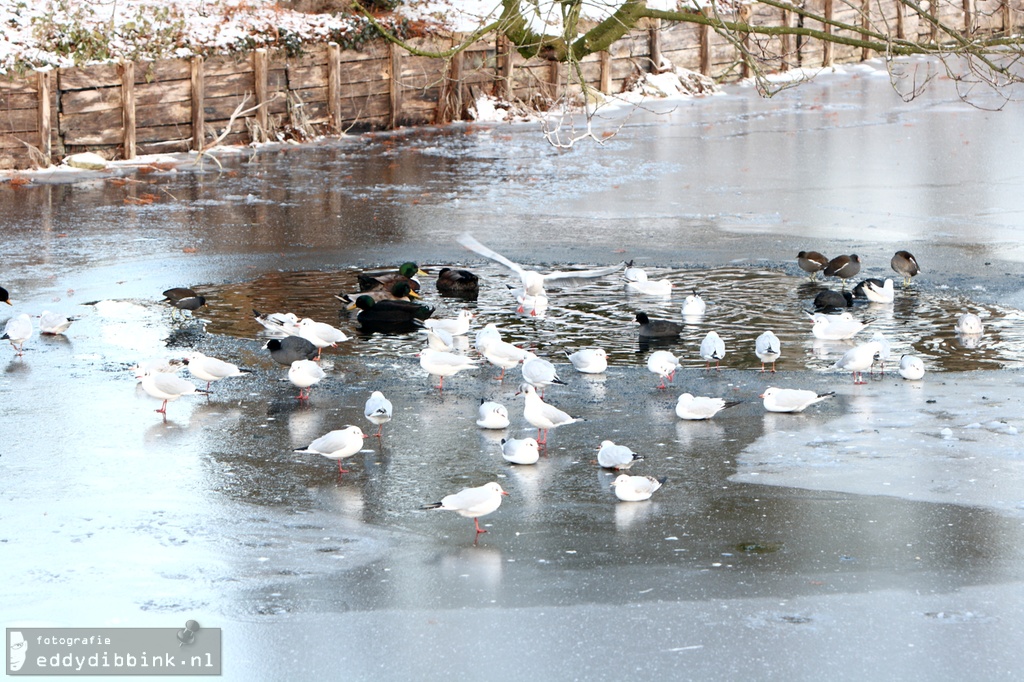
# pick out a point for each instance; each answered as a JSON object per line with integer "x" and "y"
{"x": 388, "y": 302}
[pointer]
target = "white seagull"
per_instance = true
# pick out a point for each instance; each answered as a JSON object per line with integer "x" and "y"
{"x": 278, "y": 325}
{"x": 54, "y": 323}
{"x": 650, "y": 287}
{"x": 167, "y": 387}
{"x": 636, "y": 488}
{"x": 880, "y": 294}
{"x": 858, "y": 359}
{"x": 321, "y": 334}
{"x": 884, "y": 350}
{"x": 589, "y": 360}
{"x": 439, "y": 339}
{"x": 443, "y": 364}
{"x": 911, "y": 367}
{"x": 486, "y": 336}
{"x": 697, "y": 408}
{"x": 472, "y": 502}
{"x": 693, "y": 306}
{"x": 456, "y": 327}
{"x": 791, "y": 399}
{"x": 305, "y": 374}
{"x": 664, "y": 364}
{"x": 767, "y": 348}
{"x": 835, "y": 327}
{"x": 533, "y": 306}
{"x": 539, "y": 372}
{"x": 520, "y": 450}
{"x": 634, "y": 274}
{"x": 533, "y": 281}
{"x": 504, "y": 355}
{"x": 612, "y": 456}
{"x": 208, "y": 369}
{"x": 378, "y": 411}
{"x": 167, "y": 366}
{"x": 492, "y": 415}
{"x": 970, "y": 324}
{"x": 541, "y": 415}
{"x": 18, "y": 330}
{"x": 712, "y": 348}
{"x": 337, "y": 445}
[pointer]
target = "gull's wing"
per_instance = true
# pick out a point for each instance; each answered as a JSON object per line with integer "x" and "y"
{"x": 472, "y": 244}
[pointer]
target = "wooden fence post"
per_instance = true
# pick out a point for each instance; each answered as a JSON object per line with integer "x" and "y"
{"x": 449, "y": 103}
{"x": 260, "y": 74}
{"x": 395, "y": 91}
{"x": 901, "y": 30}
{"x": 654, "y": 43}
{"x": 786, "y": 41}
{"x": 504, "y": 55}
{"x": 827, "y": 57}
{"x": 128, "y": 107}
{"x": 865, "y": 24}
{"x": 606, "y": 72}
{"x": 968, "y": 18}
{"x": 745, "y": 13}
{"x": 705, "y": 46}
{"x": 334, "y": 86}
{"x": 198, "y": 115}
{"x": 45, "y": 131}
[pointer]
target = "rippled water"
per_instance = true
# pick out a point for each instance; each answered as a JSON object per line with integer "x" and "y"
{"x": 742, "y": 302}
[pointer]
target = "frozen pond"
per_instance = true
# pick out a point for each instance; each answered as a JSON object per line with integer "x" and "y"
{"x": 879, "y": 534}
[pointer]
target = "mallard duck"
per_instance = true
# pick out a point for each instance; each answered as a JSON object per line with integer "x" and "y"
{"x": 462, "y": 283}
{"x": 390, "y": 312}
{"x": 406, "y": 273}
{"x": 399, "y": 291}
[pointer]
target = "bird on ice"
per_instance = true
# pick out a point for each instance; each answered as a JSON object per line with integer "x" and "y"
{"x": 618, "y": 457}
{"x": 636, "y": 488}
{"x": 843, "y": 267}
{"x": 664, "y": 364}
{"x": 305, "y": 374}
{"x": 533, "y": 281}
{"x": 884, "y": 351}
{"x": 712, "y": 348}
{"x": 320, "y": 334}
{"x": 767, "y": 348}
{"x": 911, "y": 367}
{"x": 492, "y": 415}
{"x": 456, "y": 327}
{"x": 811, "y": 262}
{"x": 589, "y": 360}
{"x": 791, "y": 399}
{"x": 183, "y": 298}
{"x": 858, "y": 359}
{"x": 378, "y": 410}
{"x": 539, "y": 373}
{"x": 904, "y": 263}
{"x": 520, "y": 450}
{"x": 472, "y": 502}
{"x": 880, "y": 294}
{"x": 439, "y": 339}
{"x": 697, "y": 408}
{"x": 167, "y": 387}
{"x": 504, "y": 355}
{"x": 18, "y": 330}
{"x": 486, "y": 336}
{"x": 291, "y": 348}
{"x": 541, "y": 415}
{"x": 209, "y": 369}
{"x": 443, "y": 364}
{"x": 337, "y": 445}
{"x": 53, "y": 324}
{"x": 278, "y": 325}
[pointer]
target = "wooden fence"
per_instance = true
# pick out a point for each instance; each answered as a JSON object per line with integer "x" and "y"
{"x": 123, "y": 110}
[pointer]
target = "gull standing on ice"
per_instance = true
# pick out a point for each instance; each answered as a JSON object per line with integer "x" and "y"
{"x": 664, "y": 364}
{"x": 18, "y": 330}
{"x": 712, "y": 348}
{"x": 208, "y": 369}
{"x": 378, "y": 411}
{"x": 791, "y": 399}
{"x": 884, "y": 351}
{"x": 767, "y": 348}
{"x": 541, "y": 415}
{"x": 618, "y": 457}
{"x": 439, "y": 339}
{"x": 858, "y": 359}
{"x": 636, "y": 488}
{"x": 305, "y": 374}
{"x": 911, "y": 367}
{"x": 504, "y": 355}
{"x": 589, "y": 360}
{"x": 53, "y": 324}
{"x": 443, "y": 364}
{"x": 539, "y": 373}
{"x": 486, "y": 336}
{"x": 167, "y": 387}
{"x": 491, "y": 415}
{"x": 321, "y": 334}
{"x": 520, "y": 450}
{"x": 337, "y": 445}
{"x": 472, "y": 502}
{"x": 697, "y": 408}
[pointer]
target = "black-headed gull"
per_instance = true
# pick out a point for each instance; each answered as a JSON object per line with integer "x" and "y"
{"x": 880, "y": 294}
{"x": 305, "y": 374}
{"x": 291, "y": 348}
{"x": 541, "y": 415}
{"x": 378, "y": 410}
{"x": 633, "y": 273}
{"x": 811, "y": 262}
{"x": 504, "y": 355}
{"x": 439, "y": 339}
{"x": 18, "y": 330}
{"x": 472, "y": 502}
{"x": 612, "y": 456}
{"x": 533, "y": 281}
{"x": 835, "y": 327}
{"x": 485, "y": 336}
{"x": 697, "y": 408}
{"x": 167, "y": 387}
{"x": 460, "y": 283}
{"x": 664, "y": 364}
{"x": 911, "y": 367}
{"x": 650, "y": 287}
{"x": 531, "y": 305}
{"x": 520, "y": 450}
{"x": 456, "y": 327}
{"x": 693, "y": 307}
{"x": 970, "y": 324}
{"x": 858, "y": 359}
{"x": 906, "y": 265}
{"x": 858, "y": 291}
{"x": 636, "y": 488}
{"x": 53, "y": 324}
{"x": 539, "y": 373}
{"x": 843, "y": 267}
{"x": 278, "y": 325}
{"x": 657, "y": 329}
{"x": 791, "y": 399}
{"x": 337, "y": 445}
{"x": 208, "y": 369}
{"x": 492, "y": 415}
{"x": 884, "y": 350}
{"x": 712, "y": 347}
{"x": 321, "y": 334}
{"x": 165, "y": 365}
{"x": 589, "y": 360}
{"x": 406, "y": 273}
{"x": 767, "y": 348}
{"x": 444, "y": 364}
